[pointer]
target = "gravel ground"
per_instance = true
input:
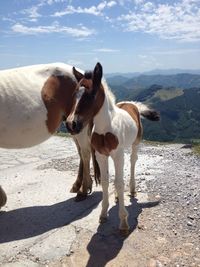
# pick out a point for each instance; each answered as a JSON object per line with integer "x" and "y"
{"x": 41, "y": 225}
{"x": 178, "y": 215}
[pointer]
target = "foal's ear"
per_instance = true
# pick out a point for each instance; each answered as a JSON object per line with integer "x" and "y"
{"x": 97, "y": 75}
{"x": 77, "y": 74}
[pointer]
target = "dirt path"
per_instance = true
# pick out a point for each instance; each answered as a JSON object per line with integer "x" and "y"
{"x": 41, "y": 224}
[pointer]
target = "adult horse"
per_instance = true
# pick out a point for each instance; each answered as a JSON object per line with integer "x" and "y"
{"x": 33, "y": 100}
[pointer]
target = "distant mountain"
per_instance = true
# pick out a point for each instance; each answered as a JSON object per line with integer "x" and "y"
{"x": 118, "y": 79}
{"x": 123, "y": 74}
{"x": 179, "y": 80}
{"x": 180, "y": 115}
{"x": 171, "y": 71}
{"x": 177, "y": 97}
{"x": 154, "y": 72}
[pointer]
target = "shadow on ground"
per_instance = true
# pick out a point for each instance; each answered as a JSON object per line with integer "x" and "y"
{"x": 33, "y": 221}
{"x": 107, "y": 242}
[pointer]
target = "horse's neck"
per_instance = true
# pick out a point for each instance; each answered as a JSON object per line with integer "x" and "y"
{"x": 103, "y": 119}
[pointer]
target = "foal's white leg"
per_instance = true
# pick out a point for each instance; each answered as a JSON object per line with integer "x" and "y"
{"x": 119, "y": 185}
{"x": 103, "y": 165}
{"x": 134, "y": 158}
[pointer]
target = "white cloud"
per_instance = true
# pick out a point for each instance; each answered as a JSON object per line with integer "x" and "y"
{"x": 80, "y": 32}
{"x": 111, "y": 3}
{"x": 92, "y": 10}
{"x": 51, "y": 2}
{"x": 72, "y": 10}
{"x": 32, "y": 13}
{"x": 179, "y": 21}
{"x": 106, "y": 50}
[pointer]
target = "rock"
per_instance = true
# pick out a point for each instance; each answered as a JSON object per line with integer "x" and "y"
{"x": 190, "y": 217}
{"x": 189, "y": 223}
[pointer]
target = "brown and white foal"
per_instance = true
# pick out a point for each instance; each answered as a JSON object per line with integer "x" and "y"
{"x": 116, "y": 127}
{"x": 33, "y": 100}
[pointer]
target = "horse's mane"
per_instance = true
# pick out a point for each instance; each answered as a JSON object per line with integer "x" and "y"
{"x": 109, "y": 93}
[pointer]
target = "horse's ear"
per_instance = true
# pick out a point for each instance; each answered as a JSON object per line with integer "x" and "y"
{"x": 77, "y": 74}
{"x": 97, "y": 75}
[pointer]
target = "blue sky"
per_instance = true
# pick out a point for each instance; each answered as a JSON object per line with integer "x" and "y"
{"x": 124, "y": 35}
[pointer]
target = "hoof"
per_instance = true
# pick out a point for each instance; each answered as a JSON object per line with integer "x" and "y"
{"x": 89, "y": 191}
{"x": 80, "y": 197}
{"x": 74, "y": 189}
{"x": 124, "y": 232}
{"x": 103, "y": 219}
{"x": 116, "y": 200}
{"x": 133, "y": 194}
{"x": 3, "y": 197}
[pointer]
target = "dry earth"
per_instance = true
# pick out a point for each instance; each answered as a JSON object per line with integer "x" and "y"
{"x": 42, "y": 225}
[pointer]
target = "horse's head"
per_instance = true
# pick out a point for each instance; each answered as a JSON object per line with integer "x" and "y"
{"x": 88, "y": 99}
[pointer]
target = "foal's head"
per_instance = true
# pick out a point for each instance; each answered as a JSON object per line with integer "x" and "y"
{"x": 89, "y": 97}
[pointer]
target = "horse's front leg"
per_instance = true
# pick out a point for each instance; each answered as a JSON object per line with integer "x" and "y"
{"x": 83, "y": 184}
{"x": 77, "y": 184}
{"x": 103, "y": 165}
{"x": 119, "y": 185}
{"x": 3, "y": 197}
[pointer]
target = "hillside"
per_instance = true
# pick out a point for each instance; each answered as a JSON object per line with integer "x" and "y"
{"x": 182, "y": 80}
{"x": 177, "y": 97}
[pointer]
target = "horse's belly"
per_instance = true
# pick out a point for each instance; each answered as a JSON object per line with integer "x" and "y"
{"x": 22, "y": 125}
{"x": 22, "y": 137}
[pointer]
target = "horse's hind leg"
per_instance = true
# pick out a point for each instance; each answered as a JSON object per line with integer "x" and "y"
{"x": 134, "y": 158}
{"x": 3, "y": 197}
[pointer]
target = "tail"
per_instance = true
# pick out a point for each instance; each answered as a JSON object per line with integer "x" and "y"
{"x": 96, "y": 168}
{"x": 147, "y": 112}
{"x": 3, "y": 197}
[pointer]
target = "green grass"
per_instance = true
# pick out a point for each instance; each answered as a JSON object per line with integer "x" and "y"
{"x": 196, "y": 149}
{"x": 196, "y": 146}
{"x": 62, "y": 134}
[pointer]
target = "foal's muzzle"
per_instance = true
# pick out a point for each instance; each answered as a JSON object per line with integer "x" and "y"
{"x": 74, "y": 127}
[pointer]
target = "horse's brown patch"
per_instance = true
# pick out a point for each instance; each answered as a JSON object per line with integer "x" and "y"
{"x": 104, "y": 144}
{"x": 57, "y": 96}
{"x": 134, "y": 113}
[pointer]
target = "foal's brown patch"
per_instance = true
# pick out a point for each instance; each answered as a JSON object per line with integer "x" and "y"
{"x": 104, "y": 144}
{"x": 134, "y": 113}
{"x": 57, "y": 96}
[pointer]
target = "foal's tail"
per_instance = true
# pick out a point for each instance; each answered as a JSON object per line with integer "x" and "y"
{"x": 97, "y": 174}
{"x": 96, "y": 168}
{"x": 3, "y": 197}
{"x": 147, "y": 112}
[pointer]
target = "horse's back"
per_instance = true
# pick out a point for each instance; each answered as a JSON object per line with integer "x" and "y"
{"x": 124, "y": 127}
{"x": 23, "y": 113}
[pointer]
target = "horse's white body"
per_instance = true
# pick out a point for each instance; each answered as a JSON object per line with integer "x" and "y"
{"x": 112, "y": 119}
{"x": 23, "y": 114}
{"x": 117, "y": 121}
